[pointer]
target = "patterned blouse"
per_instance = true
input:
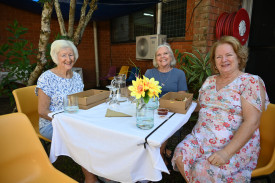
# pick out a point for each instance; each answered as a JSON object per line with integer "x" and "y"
{"x": 56, "y": 88}
{"x": 220, "y": 117}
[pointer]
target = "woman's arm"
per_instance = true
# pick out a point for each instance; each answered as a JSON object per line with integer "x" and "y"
{"x": 198, "y": 107}
{"x": 43, "y": 105}
{"x": 251, "y": 122}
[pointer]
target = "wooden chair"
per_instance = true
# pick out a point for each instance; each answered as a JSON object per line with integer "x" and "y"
{"x": 23, "y": 158}
{"x": 123, "y": 70}
{"x": 27, "y": 103}
{"x": 266, "y": 161}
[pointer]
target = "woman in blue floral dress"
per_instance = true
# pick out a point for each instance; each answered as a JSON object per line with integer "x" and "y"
{"x": 56, "y": 83}
{"x": 224, "y": 145}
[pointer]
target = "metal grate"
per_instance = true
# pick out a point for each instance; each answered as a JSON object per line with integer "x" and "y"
{"x": 173, "y": 18}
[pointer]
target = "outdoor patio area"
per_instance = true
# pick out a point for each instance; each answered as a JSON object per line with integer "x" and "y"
{"x": 69, "y": 167}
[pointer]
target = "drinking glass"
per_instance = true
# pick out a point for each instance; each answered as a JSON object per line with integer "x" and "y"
{"x": 70, "y": 103}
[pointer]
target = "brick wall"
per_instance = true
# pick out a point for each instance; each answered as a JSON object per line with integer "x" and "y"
{"x": 205, "y": 17}
{"x": 200, "y": 33}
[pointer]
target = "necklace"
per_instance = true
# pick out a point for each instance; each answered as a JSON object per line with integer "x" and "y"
{"x": 161, "y": 80}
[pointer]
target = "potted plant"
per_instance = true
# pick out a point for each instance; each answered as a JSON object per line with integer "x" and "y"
{"x": 196, "y": 68}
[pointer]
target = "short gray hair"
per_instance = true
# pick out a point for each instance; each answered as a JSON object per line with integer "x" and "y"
{"x": 173, "y": 60}
{"x": 58, "y": 45}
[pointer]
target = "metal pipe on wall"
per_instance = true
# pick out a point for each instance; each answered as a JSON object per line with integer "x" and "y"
{"x": 96, "y": 54}
{"x": 159, "y": 18}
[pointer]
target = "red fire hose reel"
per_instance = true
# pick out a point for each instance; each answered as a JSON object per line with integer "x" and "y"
{"x": 235, "y": 24}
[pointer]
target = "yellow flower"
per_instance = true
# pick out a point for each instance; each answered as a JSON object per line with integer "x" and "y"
{"x": 146, "y": 88}
{"x": 137, "y": 89}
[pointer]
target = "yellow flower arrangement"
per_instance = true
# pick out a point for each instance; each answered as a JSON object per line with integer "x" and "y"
{"x": 145, "y": 88}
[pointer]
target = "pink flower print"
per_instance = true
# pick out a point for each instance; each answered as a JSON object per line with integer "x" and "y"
{"x": 186, "y": 145}
{"x": 194, "y": 142}
{"x": 201, "y": 150}
{"x": 186, "y": 173}
{"x": 235, "y": 98}
{"x": 215, "y": 109}
{"x": 191, "y": 161}
{"x": 207, "y": 99}
{"x": 230, "y": 117}
{"x": 226, "y": 124}
{"x": 252, "y": 80}
{"x": 231, "y": 137}
{"x": 203, "y": 106}
{"x": 244, "y": 150}
{"x": 219, "y": 97}
{"x": 237, "y": 165}
{"x": 230, "y": 180}
{"x": 223, "y": 141}
{"x": 212, "y": 87}
{"x": 218, "y": 127}
{"x": 212, "y": 141}
{"x": 232, "y": 110}
{"x": 203, "y": 124}
{"x": 208, "y": 114}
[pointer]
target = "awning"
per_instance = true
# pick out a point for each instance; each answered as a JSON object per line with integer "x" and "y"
{"x": 107, "y": 9}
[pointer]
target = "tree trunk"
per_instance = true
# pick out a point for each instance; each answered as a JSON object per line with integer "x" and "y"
{"x": 60, "y": 18}
{"x": 84, "y": 19}
{"x": 43, "y": 41}
{"x": 71, "y": 18}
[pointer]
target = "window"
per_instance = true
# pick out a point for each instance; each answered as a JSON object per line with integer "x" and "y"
{"x": 126, "y": 28}
{"x": 173, "y": 21}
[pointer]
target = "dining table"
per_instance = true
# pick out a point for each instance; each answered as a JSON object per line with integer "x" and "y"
{"x": 114, "y": 147}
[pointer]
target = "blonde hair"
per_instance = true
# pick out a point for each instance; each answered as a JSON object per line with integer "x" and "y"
{"x": 173, "y": 61}
{"x": 58, "y": 45}
{"x": 241, "y": 51}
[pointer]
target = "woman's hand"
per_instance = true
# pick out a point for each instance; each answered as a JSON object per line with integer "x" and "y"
{"x": 219, "y": 158}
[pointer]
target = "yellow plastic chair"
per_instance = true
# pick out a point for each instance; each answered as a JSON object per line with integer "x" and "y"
{"x": 23, "y": 158}
{"x": 123, "y": 70}
{"x": 27, "y": 103}
{"x": 266, "y": 161}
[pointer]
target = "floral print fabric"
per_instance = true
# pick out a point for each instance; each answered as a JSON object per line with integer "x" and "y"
{"x": 56, "y": 88}
{"x": 219, "y": 118}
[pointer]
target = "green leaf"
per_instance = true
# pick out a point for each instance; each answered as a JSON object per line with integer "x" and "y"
{"x": 196, "y": 68}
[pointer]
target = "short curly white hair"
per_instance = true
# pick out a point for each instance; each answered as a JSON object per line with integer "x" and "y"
{"x": 58, "y": 45}
{"x": 173, "y": 60}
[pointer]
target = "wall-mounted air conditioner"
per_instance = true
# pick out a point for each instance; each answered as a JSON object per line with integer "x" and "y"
{"x": 147, "y": 45}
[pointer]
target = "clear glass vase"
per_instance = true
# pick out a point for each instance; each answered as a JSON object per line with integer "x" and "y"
{"x": 144, "y": 115}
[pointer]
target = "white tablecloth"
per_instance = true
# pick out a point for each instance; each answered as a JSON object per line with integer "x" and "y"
{"x": 108, "y": 147}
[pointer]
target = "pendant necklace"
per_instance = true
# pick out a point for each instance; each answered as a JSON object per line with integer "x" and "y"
{"x": 161, "y": 81}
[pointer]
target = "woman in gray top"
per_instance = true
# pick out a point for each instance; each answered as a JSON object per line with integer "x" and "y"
{"x": 170, "y": 79}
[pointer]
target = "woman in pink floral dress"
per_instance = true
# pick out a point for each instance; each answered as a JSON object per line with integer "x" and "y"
{"x": 224, "y": 144}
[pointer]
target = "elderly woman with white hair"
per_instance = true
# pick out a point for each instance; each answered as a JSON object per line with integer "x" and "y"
{"x": 56, "y": 83}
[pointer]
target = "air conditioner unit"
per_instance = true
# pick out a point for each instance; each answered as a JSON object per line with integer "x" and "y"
{"x": 147, "y": 45}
